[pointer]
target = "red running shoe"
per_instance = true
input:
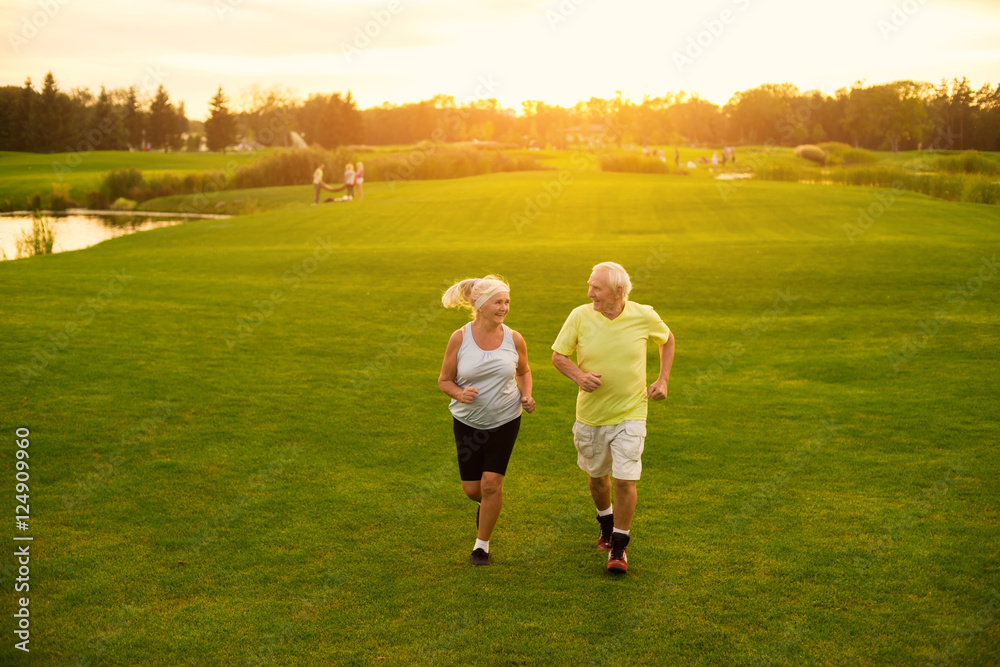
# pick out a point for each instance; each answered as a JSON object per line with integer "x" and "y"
{"x": 617, "y": 558}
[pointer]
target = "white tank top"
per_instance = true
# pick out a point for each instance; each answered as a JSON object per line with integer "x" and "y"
{"x": 492, "y": 372}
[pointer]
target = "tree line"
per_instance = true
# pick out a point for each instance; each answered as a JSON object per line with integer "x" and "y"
{"x": 902, "y": 115}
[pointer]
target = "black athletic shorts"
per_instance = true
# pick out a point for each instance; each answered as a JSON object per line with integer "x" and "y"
{"x": 487, "y": 450}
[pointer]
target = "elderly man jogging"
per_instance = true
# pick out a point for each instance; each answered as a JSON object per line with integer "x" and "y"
{"x": 610, "y": 338}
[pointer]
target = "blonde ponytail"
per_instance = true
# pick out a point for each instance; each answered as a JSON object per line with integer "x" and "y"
{"x": 465, "y": 293}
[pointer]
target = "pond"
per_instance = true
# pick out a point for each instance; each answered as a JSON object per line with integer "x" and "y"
{"x": 81, "y": 228}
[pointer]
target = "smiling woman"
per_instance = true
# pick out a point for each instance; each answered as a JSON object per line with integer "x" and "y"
{"x": 486, "y": 374}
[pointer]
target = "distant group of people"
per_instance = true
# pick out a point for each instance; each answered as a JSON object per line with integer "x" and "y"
{"x": 728, "y": 155}
{"x": 486, "y": 374}
{"x": 354, "y": 179}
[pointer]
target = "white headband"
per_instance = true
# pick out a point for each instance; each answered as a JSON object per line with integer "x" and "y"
{"x": 486, "y": 297}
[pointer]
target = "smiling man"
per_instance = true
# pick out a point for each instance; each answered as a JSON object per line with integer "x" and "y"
{"x": 610, "y": 339}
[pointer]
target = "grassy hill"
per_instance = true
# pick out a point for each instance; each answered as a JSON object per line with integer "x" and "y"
{"x": 239, "y": 454}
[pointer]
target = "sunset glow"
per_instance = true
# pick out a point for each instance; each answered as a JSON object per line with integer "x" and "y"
{"x": 559, "y": 52}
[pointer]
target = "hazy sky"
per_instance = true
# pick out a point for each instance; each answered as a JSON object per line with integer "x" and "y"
{"x": 557, "y": 51}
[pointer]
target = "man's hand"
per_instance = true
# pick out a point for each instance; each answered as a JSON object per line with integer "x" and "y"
{"x": 590, "y": 381}
{"x": 657, "y": 390}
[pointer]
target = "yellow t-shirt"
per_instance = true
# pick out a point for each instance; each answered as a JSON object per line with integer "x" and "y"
{"x": 617, "y": 350}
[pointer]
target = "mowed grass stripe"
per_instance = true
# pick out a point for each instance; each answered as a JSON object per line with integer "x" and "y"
{"x": 306, "y": 477}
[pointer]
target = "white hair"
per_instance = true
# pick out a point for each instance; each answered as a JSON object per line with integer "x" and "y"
{"x": 617, "y": 277}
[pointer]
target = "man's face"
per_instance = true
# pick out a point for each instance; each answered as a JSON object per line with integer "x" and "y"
{"x": 600, "y": 292}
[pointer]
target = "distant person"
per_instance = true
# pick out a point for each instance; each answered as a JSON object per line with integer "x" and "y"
{"x": 715, "y": 159}
{"x": 677, "y": 157}
{"x": 609, "y": 336}
{"x": 318, "y": 182}
{"x": 349, "y": 176}
{"x": 486, "y": 373}
{"x": 359, "y": 179}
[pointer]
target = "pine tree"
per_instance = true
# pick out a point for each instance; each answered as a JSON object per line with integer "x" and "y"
{"x": 106, "y": 131}
{"x": 220, "y": 128}
{"x": 162, "y": 120}
{"x": 134, "y": 121}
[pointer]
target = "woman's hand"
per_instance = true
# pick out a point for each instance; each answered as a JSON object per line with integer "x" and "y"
{"x": 468, "y": 395}
{"x": 528, "y": 403}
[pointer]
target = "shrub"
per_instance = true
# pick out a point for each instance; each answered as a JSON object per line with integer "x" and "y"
{"x": 981, "y": 191}
{"x": 118, "y": 182}
{"x": 122, "y": 204}
{"x": 427, "y": 161}
{"x": 35, "y": 202}
{"x": 163, "y": 185}
{"x": 60, "y": 200}
{"x": 38, "y": 241}
{"x": 968, "y": 162}
{"x": 810, "y": 152}
{"x": 7, "y": 205}
{"x": 288, "y": 167}
{"x": 97, "y": 200}
{"x": 834, "y": 147}
{"x": 859, "y": 156}
{"x": 777, "y": 171}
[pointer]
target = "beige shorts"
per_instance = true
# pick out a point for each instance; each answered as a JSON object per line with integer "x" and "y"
{"x": 615, "y": 449}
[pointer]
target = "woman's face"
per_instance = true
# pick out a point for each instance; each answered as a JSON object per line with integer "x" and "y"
{"x": 496, "y": 308}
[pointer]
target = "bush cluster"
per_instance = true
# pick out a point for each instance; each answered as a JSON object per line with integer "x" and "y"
{"x": 839, "y": 153}
{"x": 811, "y": 152}
{"x": 974, "y": 188}
{"x": 967, "y": 162}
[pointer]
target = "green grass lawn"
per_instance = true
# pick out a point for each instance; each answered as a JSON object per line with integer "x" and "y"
{"x": 240, "y": 454}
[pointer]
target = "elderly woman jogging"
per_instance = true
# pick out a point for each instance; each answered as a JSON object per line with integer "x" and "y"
{"x": 486, "y": 374}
